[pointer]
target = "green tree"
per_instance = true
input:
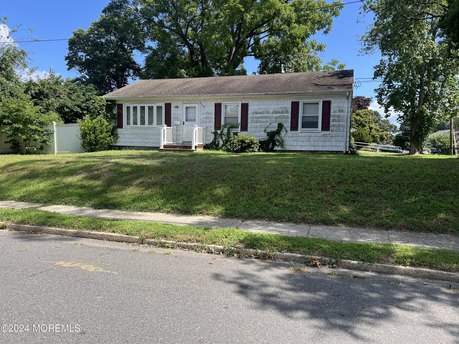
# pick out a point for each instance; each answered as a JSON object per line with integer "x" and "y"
{"x": 415, "y": 62}
{"x": 25, "y": 125}
{"x": 12, "y": 59}
{"x": 332, "y": 65}
{"x": 166, "y": 60}
{"x": 66, "y": 97}
{"x": 205, "y": 38}
{"x": 450, "y": 21}
{"x": 370, "y": 127}
{"x": 104, "y": 53}
{"x": 440, "y": 141}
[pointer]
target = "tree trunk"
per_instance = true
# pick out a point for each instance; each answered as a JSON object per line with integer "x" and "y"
{"x": 415, "y": 145}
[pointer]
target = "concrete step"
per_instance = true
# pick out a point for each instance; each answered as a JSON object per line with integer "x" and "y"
{"x": 180, "y": 147}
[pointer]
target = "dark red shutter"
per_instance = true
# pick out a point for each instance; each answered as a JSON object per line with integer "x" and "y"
{"x": 218, "y": 116}
{"x": 244, "y": 116}
{"x": 326, "y": 112}
{"x": 119, "y": 115}
{"x": 168, "y": 113}
{"x": 294, "y": 116}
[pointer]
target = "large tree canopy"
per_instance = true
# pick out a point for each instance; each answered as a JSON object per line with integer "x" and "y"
{"x": 213, "y": 37}
{"x": 190, "y": 38}
{"x": 104, "y": 54}
{"x": 417, "y": 65}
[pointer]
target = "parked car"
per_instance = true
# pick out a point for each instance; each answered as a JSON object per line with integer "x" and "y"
{"x": 390, "y": 149}
{"x": 435, "y": 150}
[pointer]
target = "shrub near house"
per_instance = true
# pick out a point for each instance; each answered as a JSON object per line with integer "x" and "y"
{"x": 242, "y": 144}
{"x": 96, "y": 134}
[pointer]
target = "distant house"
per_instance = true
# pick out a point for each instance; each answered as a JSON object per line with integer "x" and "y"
{"x": 314, "y": 107}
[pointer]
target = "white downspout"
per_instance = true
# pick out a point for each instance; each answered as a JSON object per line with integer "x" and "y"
{"x": 348, "y": 122}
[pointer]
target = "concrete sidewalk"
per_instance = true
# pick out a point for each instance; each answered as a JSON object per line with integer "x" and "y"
{"x": 337, "y": 233}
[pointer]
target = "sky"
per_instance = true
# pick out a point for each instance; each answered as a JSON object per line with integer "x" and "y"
{"x": 50, "y": 19}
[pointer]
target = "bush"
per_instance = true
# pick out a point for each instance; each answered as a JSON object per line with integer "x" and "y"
{"x": 440, "y": 141}
{"x": 96, "y": 134}
{"x": 25, "y": 125}
{"x": 242, "y": 144}
{"x": 221, "y": 137}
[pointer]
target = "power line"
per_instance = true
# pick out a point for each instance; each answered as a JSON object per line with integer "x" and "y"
{"x": 35, "y": 40}
{"x": 66, "y": 39}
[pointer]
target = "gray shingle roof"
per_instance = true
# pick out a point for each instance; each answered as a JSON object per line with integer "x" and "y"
{"x": 288, "y": 83}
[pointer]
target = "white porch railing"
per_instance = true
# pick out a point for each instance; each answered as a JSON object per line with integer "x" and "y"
{"x": 167, "y": 136}
{"x": 198, "y": 137}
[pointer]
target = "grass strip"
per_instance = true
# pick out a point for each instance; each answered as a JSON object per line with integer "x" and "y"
{"x": 404, "y": 255}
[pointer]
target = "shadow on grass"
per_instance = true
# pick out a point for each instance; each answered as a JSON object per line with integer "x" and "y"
{"x": 384, "y": 192}
{"x": 340, "y": 304}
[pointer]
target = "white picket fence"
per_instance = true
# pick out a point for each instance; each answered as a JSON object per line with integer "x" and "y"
{"x": 64, "y": 139}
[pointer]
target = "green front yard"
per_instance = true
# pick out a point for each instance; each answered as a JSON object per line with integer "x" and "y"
{"x": 417, "y": 193}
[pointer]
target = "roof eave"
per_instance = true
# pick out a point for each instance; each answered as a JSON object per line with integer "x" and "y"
{"x": 341, "y": 90}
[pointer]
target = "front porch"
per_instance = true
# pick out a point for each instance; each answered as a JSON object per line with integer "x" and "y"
{"x": 189, "y": 139}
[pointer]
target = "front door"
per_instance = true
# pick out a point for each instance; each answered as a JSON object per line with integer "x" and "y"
{"x": 190, "y": 120}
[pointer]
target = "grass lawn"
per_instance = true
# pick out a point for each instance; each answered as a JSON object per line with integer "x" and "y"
{"x": 231, "y": 238}
{"x": 419, "y": 193}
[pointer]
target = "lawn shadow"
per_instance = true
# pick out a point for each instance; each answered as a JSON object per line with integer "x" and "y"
{"x": 295, "y": 187}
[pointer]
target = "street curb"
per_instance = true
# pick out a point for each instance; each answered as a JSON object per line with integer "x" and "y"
{"x": 314, "y": 261}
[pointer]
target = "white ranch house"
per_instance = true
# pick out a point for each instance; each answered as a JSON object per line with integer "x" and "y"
{"x": 314, "y": 107}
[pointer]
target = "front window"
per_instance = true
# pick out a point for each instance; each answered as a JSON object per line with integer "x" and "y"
{"x": 231, "y": 114}
{"x": 191, "y": 112}
{"x": 159, "y": 115}
{"x": 144, "y": 115}
{"x": 310, "y": 116}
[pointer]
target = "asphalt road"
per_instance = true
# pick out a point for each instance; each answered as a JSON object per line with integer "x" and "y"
{"x": 68, "y": 290}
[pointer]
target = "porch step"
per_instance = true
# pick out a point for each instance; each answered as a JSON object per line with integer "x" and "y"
{"x": 180, "y": 148}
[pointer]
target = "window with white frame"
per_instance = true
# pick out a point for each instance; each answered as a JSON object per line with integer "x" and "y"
{"x": 310, "y": 115}
{"x": 191, "y": 113}
{"x": 144, "y": 115}
{"x": 231, "y": 114}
